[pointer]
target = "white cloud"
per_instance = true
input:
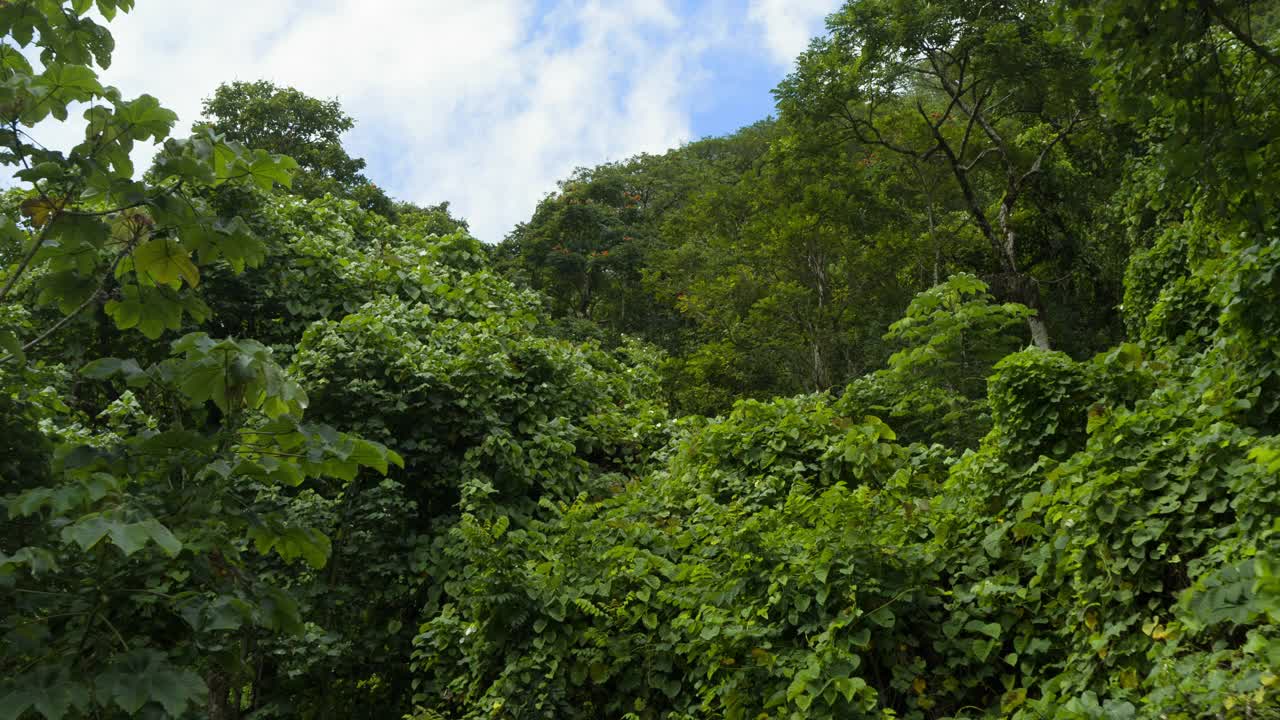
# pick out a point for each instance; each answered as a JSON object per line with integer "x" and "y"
{"x": 485, "y": 103}
{"x": 788, "y": 25}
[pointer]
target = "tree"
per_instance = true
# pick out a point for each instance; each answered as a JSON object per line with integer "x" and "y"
{"x": 993, "y": 89}
{"x": 970, "y": 530}
{"x": 934, "y": 389}
{"x": 289, "y": 122}
{"x": 130, "y": 512}
{"x": 579, "y": 247}
{"x": 429, "y": 220}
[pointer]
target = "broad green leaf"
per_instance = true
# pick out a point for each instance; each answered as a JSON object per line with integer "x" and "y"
{"x": 11, "y": 345}
{"x": 166, "y": 262}
{"x": 145, "y": 676}
{"x": 49, "y": 691}
{"x": 105, "y": 368}
{"x": 87, "y": 532}
{"x": 162, "y": 537}
{"x": 39, "y": 210}
{"x": 292, "y": 543}
{"x": 145, "y": 118}
{"x": 38, "y": 560}
{"x": 129, "y": 537}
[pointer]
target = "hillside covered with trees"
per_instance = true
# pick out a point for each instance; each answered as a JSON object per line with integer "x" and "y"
{"x": 952, "y": 391}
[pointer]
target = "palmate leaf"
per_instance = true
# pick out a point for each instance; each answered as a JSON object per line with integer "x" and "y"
{"x": 79, "y": 234}
{"x": 130, "y": 537}
{"x": 223, "y": 612}
{"x": 145, "y": 118}
{"x": 144, "y": 676}
{"x": 228, "y": 372}
{"x": 150, "y": 310}
{"x": 268, "y": 170}
{"x": 374, "y": 455}
{"x": 48, "y": 171}
{"x": 37, "y": 560}
{"x": 166, "y": 262}
{"x": 105, "y": 368}
{"x": 109, "y": 8}
{"x": 11, "y": 345}
{"x": 48, "y": 691}
{"x": 59, "y": 85}
{"x": 292, "y": 543}
{"x": 231, "y": 240}
{"x": 66, "y": 289}
{"x": 38, "y": 209}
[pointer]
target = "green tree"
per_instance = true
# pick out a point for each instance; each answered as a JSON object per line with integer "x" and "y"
{"x": 289, "y": 122}
{"x": 989, "y": 91}
{"x": 129, "y": 516}
{"x": 934, "y": 389}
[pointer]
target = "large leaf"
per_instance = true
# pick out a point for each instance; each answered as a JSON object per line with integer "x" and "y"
{"x": 166, "y": 262}
{"x": 292, "y": 543}
{"x": 144, "y": 676}
{"x": 49, "y": 691}
{"x": 130, "y": 537}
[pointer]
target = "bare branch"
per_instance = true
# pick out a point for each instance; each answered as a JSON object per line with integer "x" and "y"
{"x": 860, "y": 127}
{"x": 966, "y": 188}
{"x": 956, "y": 92}
{"x": 968, "y": 128}
{"x": 974, "y": 163}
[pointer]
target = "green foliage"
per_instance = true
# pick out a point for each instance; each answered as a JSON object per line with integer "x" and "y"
{"x": 1105, "y": 550}
{"x": 483, "y": 408}
{"x": 130, "y": 504}
{"x": 934, "y": 388}
{"x": 328, "y": 257}
{"x": 286, "y": 121}
{"x": 143, "y": 529}
{"x": 1162, "y": 299}
{"x": 1039, "y": 404}
{"x": 759, "y": 452}
{"x": 521, "y": 529}
{"x": 983, "y": 100}
{"x": 677, "y": 598}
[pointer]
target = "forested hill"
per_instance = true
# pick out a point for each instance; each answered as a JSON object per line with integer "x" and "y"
{"x": 951, "y": 392}
{"x": 772, "y": 261}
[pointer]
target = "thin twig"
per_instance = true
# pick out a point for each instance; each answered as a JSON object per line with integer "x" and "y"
{"x": 96, "y": 295}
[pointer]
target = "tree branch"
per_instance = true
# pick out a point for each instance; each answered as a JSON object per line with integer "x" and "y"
{"x": 95, "y": 295}
{"x": 962, "y": 177}
{"x": 26, "y": 259}
{"x": 1211, "y": 7}
{"x": 975, "y": 113}
{"x": 1035, "y": 166}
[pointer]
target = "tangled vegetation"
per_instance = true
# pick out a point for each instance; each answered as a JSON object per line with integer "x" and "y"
{"x": 952, "y": 392}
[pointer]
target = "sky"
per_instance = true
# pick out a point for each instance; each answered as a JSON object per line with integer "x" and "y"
{"x": 484, "y": 103}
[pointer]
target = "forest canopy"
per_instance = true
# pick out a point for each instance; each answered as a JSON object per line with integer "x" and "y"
{"x": 951, "y": 391}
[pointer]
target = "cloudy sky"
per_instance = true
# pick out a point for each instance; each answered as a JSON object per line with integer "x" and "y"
{"x": 485, "y": 103}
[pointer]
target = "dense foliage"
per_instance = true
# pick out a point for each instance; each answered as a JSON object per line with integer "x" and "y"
{"x": 953, "y": 392}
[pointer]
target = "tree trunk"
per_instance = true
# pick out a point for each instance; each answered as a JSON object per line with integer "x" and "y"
{"x": 818, "y": 266}
{"x": 1004, "y": 240}
{"x": 1025, "y": 289}
{"x": 220, "y": 706}
{"x": 584, "y": 306}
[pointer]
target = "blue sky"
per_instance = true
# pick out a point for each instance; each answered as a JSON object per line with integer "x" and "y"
{"x": 737, "y": 91}
{"x": 485, "y": 103}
